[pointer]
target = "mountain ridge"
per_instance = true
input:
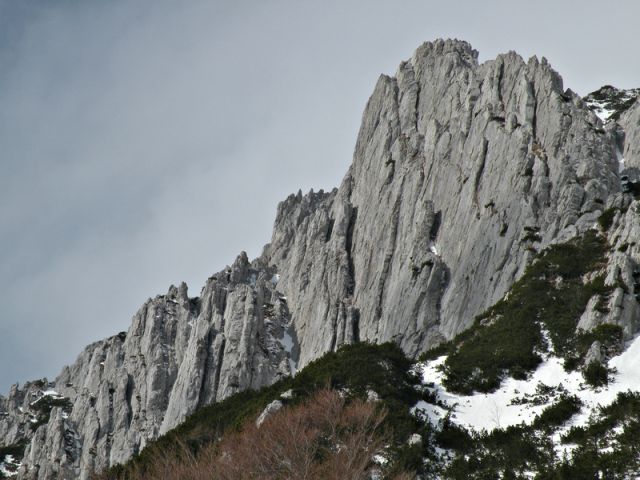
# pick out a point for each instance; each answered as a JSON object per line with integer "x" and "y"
{"x": 462, "y": 172}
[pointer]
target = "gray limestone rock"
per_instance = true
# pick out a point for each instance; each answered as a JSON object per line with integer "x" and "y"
{"x": 179, "y": 353}
{"x": 594, "y": 354}
{"x": 269, "y": 410}
{"x": 462, "y": 171}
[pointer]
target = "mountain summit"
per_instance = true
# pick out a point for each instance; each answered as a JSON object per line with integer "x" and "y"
{"x": 463, "y": 173}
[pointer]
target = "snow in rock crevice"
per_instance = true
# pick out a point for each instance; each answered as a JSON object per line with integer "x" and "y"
{"x": 288, "y": 344}
{"x": 620, "y": 159}
{"x": 9, "y": 460}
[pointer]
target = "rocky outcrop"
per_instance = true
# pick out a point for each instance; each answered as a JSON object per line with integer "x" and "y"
{"x": 179, "y": 353}
{"x": 461, "y": 172}
{"x": 17, "y": 418}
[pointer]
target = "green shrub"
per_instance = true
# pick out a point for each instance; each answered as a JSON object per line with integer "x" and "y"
{"x": 609, "y": 335}
{"x": 596, "y": 374}
{"x": 607, "y": 446}
{"x": 502, "y": 347}
{"x": 354, "y": 369}
{"x": 453, "y": 437}
{"x": 605, "y": 220}
{"x": 531, "y": 234}
{"x": 512, "y": 450}
{"x": 505, "y": 339}
{"x": 15, "y": 449}
{"x": 558, "y": 413}
{"x": 43, "y": 407}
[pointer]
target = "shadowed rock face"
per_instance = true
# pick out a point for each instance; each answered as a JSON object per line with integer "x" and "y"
{"x": 461, "y": 171}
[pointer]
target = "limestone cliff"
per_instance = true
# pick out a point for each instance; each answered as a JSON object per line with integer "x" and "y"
{"x": 461, "y": 172}
{"x": 179, "y": 353}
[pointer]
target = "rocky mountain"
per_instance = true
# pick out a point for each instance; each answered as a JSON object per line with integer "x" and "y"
{"x": 462, "y": 173}
{"x": 179, "y": 353}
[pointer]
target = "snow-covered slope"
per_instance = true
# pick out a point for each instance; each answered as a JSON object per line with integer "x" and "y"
{"x": 519, "y": 401}
{"x": 610, "y": 102}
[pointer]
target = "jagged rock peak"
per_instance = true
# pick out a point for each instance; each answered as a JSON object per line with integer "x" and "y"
{"x": 461, "y": 172}
{"x": 179, "y": 353}
{"x": 460, "y": 48}
{"x": 179, "y": 293}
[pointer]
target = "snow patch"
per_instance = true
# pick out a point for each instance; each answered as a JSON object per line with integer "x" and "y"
{"x": 9, "y": 466}
{"x": 601, "y": 111}
{"x": 287, "y": 344}
{"x": 51, "y": 393}
{"x": 488, "y": 411}
{"x": 380, "y": 459}
{"x": 620, "y": 159}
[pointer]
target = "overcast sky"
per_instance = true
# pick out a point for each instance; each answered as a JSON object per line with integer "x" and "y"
{"x": 148, "y": 142}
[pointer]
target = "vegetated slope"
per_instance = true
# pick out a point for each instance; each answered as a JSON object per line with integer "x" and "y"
{"x": 539, "y": 315}
{"x": 363, "y": 374}
{"x": 462, "y": 172}
{"x": 554, "y": 420}
{"x": 325, "y": 437}
{"x": 528, "y": 392}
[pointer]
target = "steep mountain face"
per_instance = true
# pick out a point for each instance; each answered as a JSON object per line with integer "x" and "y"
{"x": 461, "y": 172}
{"x": 630, "y": 123}
{"x": 609, "y": 103}
{"x": 179, "y": 353}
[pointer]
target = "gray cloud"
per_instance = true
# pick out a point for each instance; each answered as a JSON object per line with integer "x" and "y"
{"x": 148, "y": 142}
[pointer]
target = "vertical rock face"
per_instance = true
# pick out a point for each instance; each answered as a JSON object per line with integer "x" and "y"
{"x": 630, "y": 123}
{"x": 461, "y": 172}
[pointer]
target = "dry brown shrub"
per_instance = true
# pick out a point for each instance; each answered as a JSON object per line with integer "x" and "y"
{"x": 325, "y": 438}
